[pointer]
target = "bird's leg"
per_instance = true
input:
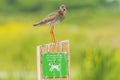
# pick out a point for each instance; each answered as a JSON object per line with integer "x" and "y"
{"x": 54, "y": 40}
{"x": 52, "y": 34}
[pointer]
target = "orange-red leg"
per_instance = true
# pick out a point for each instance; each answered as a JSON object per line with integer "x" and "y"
{"x": 52, "y": 34}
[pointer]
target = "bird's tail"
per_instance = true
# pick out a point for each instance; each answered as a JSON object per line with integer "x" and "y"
{"x": 36, "y": 24}
{"x": 39, "y": 24}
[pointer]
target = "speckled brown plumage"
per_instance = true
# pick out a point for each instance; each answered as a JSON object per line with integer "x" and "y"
{"x": 52, "y": 19}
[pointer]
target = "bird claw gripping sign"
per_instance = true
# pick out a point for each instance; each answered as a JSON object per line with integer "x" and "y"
{"x": 53, "y": 61}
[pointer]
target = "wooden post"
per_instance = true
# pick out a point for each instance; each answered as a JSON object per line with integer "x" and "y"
{"x": 62, "y": 46}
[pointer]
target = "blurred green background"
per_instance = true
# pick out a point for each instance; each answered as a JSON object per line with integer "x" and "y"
{"x": 92, "y": 26}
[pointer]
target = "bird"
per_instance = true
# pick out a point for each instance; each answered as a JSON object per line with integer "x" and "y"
{"x": 52, "y": 19}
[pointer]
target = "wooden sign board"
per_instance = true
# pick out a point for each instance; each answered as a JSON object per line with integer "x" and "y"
{"x": 53, "y": 61}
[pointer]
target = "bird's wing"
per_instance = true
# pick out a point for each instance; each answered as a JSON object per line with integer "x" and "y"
{"x": 50, "y": 17}
{"x": 53, "y": 13}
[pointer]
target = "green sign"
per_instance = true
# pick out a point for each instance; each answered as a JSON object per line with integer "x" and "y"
{"x": 54, "y": 65}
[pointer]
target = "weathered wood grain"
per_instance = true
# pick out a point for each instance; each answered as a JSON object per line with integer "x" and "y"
{"x": 62, "y": 46}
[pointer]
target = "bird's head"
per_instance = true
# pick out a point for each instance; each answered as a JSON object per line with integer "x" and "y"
{"x": 63, "y": 8}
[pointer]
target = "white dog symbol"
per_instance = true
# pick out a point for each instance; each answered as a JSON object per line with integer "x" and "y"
{"x": 53, "y": 67}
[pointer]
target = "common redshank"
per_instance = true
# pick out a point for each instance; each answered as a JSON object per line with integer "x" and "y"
{"x": 53, "y": 19}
